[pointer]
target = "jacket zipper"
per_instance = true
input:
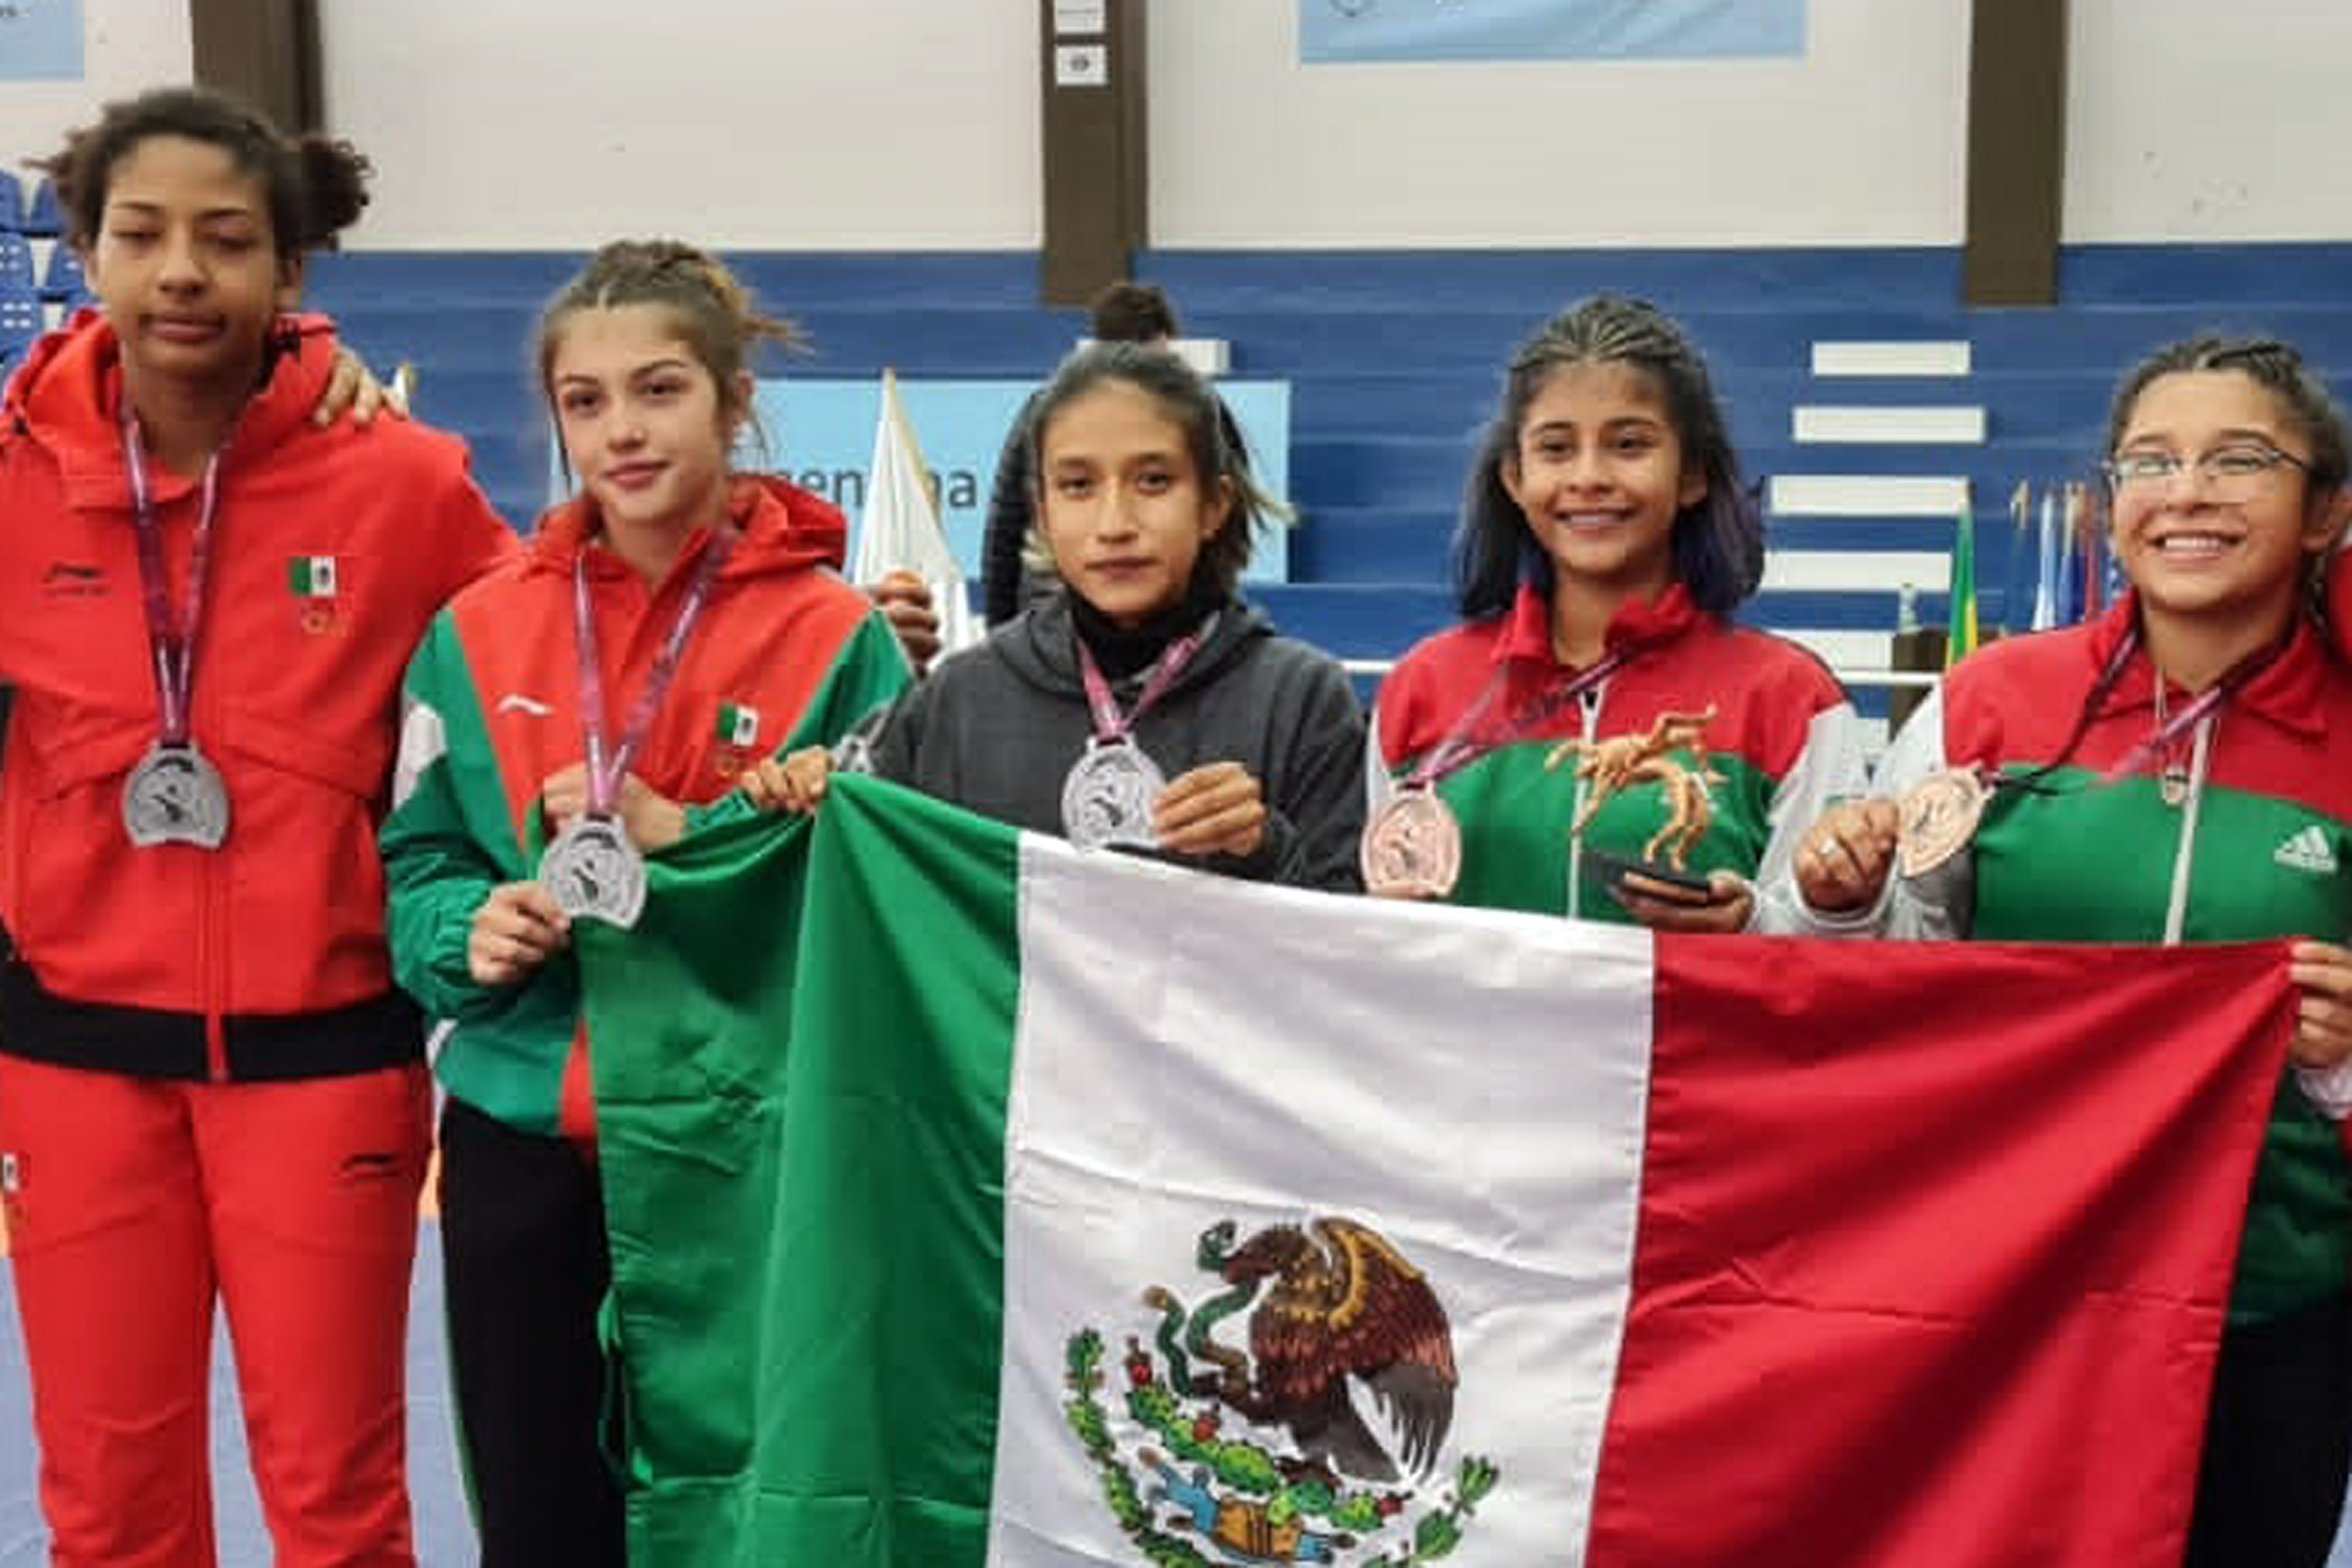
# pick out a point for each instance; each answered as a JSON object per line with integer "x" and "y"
{"x": 2176, "y": 913}
{"x": 1587, "y": 703}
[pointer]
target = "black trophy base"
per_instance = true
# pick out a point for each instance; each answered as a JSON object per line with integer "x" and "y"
{"x": 1615, "y": 867}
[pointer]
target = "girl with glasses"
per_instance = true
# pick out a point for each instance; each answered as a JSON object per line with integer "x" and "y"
{"x": 2177, "y": 769}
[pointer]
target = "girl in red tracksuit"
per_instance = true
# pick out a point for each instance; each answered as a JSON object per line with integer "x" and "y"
{"x": 681, "y": 620}
{"x": 210, "y": 1088}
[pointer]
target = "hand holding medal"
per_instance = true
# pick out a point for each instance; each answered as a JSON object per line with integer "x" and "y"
{"x": 1111, "y": 790}
{"x": 514, "y": 930}
{"x": 1217, "y": 808}
{"x": 594, "y": 866}
{"x": 1411, "y": 846}
{"x": 1843, "y": 862}
{"x": 606, "y": 817}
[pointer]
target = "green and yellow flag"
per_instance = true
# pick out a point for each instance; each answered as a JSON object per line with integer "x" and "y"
{"x": 1962, "y": 615}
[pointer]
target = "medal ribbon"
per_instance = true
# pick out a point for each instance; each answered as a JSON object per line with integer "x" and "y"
{"x": 608, "y": 761}
{"x": 1110, "y": 724}
{"x": 2168, "y": 730}
{"x": 1459, "y": 749}
{"x": 174, "y": 654}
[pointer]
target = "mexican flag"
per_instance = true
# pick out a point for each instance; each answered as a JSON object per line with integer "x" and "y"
{"x": 1101, "y": 1211}
{"x": 311, "y": 576}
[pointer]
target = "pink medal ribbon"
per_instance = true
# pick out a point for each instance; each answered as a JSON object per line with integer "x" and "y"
{"x": 592, "y": 867}
{"x": 2168, "y": 730}
{"x": 173, "y": 796}
{"x": 1937, "y": 816}
{"x": 1107, "y": 796}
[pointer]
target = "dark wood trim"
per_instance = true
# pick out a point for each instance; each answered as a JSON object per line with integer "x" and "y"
{"x": 1097, "y": 162}
{"x": 2017, "y": 152}
{"x": 266, "y": 52}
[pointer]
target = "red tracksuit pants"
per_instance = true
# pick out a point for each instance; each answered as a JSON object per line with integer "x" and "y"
{"x": 133, "y": 1204}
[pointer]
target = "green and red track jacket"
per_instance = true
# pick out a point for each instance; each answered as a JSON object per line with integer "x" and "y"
{"x": 785, "y": 655}
{"x": 1783, "y": 740}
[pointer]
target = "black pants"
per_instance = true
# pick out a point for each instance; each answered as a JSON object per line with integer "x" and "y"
{"x": 2278, "y": 1443}
{"x": 522, "y": 1242}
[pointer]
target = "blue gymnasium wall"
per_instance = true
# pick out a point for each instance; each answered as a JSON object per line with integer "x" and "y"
{"x": 1394, "y": 358}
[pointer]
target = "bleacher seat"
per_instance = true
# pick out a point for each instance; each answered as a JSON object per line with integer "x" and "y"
{"x": 43, "y": 217}
{"x": 12, "y": 203}
{"x": 61, "y": 281}
{"x": 16, "y": 263}
{"x": 21, "y": 320}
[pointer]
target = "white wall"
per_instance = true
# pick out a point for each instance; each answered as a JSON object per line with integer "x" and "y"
{"x": 2197, "y": 119}
{"x": 127, "y": 45}
{"x": 1860, "y": 142}
{"x": 811, "y": 124}
{"x": 913, "y": 124}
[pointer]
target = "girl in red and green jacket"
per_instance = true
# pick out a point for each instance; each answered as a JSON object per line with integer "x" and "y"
{"x": 678, "y": 620}
{"x": 210, "y": 1089}
{"x": 2179, "y": 770}
{"x": 1604, "y": 544}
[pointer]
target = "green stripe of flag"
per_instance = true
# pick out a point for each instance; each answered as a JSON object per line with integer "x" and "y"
{"x": 739, "y": 1461}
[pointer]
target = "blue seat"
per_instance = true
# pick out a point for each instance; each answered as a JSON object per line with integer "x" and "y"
{"x": 43, "y": 220}
{"x": 21, "y": 321}
{"x": 12, "y": 203}
{"x": 61, "y": 280}
{"x": 16, "y": 264}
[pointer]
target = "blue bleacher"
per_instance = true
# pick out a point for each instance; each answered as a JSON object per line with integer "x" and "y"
{"x": 1394, "y": 359}
{"x": 42, "y": 218}
{"x": 16, "y": 263}
{"x": 20, "y": 321}
{"x": 61, "y": 280}
{"x": 12, "y": 203}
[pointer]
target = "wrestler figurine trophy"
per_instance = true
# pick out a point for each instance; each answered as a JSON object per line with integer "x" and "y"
{"x": 1605, "y": 767}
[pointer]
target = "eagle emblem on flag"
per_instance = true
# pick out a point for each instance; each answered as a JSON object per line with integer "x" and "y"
{"x": 1312, "y": 1445}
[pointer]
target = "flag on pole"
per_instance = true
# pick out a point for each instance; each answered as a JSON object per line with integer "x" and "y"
{"x": 1105, "y": 1212}
{"x": 1962, "y": 614}
{"x": 2048, "y": 548}
{"x": 901, "y": 530}
{"x": 2015, "y": 600}
{"x": 2070, "y": 559}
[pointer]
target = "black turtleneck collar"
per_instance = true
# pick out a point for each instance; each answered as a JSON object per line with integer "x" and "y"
{"x": 1123, "y": 651}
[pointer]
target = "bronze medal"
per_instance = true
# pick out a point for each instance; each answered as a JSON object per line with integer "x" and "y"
{"x": 1937, "y": 817}
{"x": 1413, "y": 848}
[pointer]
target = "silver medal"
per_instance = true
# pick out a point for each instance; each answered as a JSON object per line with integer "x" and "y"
{"x": 176, "y": 796}
{"x": 1107, "y": 798}
{"x": 595, "y": 873}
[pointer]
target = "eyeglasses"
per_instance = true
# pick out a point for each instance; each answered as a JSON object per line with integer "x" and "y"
{"x": 2226, "y": 472}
